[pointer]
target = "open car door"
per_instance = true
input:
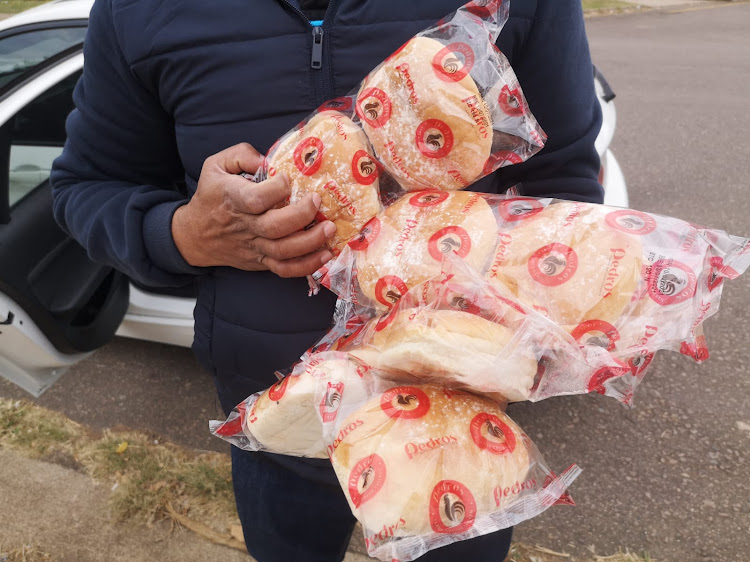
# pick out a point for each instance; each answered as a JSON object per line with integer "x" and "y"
{"x": 56, "y": 306}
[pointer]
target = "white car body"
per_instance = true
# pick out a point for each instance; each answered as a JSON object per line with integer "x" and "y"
{"x": 26, "y": 356}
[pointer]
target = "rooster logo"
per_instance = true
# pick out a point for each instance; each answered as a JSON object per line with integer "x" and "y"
{"x": 372, "y": 109}
{"x": 551, "y": 265}
{"x": 435, "y": 141}
{"x": 520, "y": 209}
{"x": 333, "y": 399}
{"x": 632, "y": 223}
{"x": 366, "y": 478}
{"x": 367, "y": 167}
{"x": 406, "y": 399}
{"x": 392, "y": 296}
{"x": 493, "y": 430}
{"x": 449, "y": 244}
{"x": 428, "y": 198}
{"x": 310, "y": 156}
{"x": 671, "y": 284}
{"x": 599, "y": 341}
{"x": 452, "y": 65}
{"x": 335, "y": 103}
{"x": 454, "y": 510}
{"x": 460, "y": 302}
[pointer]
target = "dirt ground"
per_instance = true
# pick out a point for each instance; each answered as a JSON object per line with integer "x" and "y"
{"x": 64, "y": 513}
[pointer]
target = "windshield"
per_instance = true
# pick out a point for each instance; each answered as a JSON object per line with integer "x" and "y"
{"x": 22, "y": 52}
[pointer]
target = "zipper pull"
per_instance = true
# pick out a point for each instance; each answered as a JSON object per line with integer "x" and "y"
{"x": 317, "y": 48}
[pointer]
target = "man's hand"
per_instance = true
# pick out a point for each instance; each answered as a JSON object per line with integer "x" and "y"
{"x": 231, "y": 221}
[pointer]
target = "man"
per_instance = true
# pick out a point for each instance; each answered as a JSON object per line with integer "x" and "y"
{"x": 148, "y": 183}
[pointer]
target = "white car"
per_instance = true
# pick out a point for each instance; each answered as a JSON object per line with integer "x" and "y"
{"x": 56, "y": 306}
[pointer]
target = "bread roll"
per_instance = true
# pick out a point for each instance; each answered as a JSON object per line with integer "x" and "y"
{"x": 425, "y": 116}
{"x": 566, "y": 262}
{"x": 454, "y": 348}
{"x": 330, "y": 155}
{"x": 427, "y": 459}
{"x": 297, "y": 415}
{"x": 405, "y": 245}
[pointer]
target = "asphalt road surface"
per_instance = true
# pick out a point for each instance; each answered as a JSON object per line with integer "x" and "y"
{"x": 669, "y": 477}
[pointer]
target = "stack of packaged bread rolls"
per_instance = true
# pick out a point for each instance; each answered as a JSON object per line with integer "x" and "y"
{"x": 452, "y": 303}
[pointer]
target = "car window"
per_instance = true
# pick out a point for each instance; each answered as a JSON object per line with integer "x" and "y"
{"x": 20, "y": 53}
{"x": 38, "y": 136}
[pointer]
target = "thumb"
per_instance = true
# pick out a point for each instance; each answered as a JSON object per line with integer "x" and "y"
{"x": 237, "y": 159}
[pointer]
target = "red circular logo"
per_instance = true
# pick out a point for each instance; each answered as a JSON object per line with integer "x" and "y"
{"x": 366, "y": 479}
{"x": 632, "y": 222}
{"x": 640, "y": 363}
{"x": 671, "y": 282}
{"x": 596, "y": 382}
{"x": 428, "y": 198}
{"x": 449, "y": 239}
{"x": 596, "y": 332}
{"x": 368, "y": 233}
{"x": 364, "y": 168}
{"x": 511, "y": 101}
{"x": 452, "y": 508}
{"x": 453, "y": 62}
{"x": 512, "y": 210}
{"x": 308, "y": 156}
{"x": 337, "y": 104}
{"x": 491, "y": 434}
{"x": 389, "y": 289}
{"x": 483, "y": 8}
{"x": 499, "y": 159}
{"x": 374, "y": 107}
{"x": 405, "y": 402}
{"x": 434, "y": 138}
{"x": 329, "y": 406}
{"x": 277, "y": 390}
{"x": 553, "y": 265}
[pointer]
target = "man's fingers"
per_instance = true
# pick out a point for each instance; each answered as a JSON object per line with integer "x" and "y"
{"x": 278, "y": 223}
{"x": 297, "y": 244}
{"x": 298, "y": 267}
{"x": 256, "y": 198}
{"x": 237, "y": 159}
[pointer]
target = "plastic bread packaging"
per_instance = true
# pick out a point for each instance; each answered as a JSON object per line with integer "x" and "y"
{"x": 628, "y": 282}
{"x": 442, "y": 111}
{"x": 421, "y": 466}
{"x": 463, "y": 332}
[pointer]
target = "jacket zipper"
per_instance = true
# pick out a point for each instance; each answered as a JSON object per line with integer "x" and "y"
{"x": 319, "y": 62}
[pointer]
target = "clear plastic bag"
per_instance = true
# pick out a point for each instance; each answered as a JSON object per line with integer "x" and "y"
{"x": 623, "y": 281}
{"x": 421, "y": 466}
{"x": 442, "y": 111}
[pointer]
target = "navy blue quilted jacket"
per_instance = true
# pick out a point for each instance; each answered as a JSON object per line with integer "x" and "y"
{"x": 168, "y": 83}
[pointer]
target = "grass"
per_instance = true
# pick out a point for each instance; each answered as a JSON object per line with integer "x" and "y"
{"x": 147, "y": 478}
{"x": 24, "y": 553}
{"x": 153, "y": 480}
{"x": 15, "y": 6}
{"x": 602, "y": 5}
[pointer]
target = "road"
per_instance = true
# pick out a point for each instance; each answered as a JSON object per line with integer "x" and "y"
{"x": 669, "y": 477}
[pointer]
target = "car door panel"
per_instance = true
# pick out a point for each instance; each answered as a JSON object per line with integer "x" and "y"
{"x": 57, "y": 305}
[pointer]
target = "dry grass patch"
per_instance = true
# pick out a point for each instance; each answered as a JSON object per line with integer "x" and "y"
{"x": 147, "y": 477}
{"x": 15, "y": 6}
{"x": 24, "y": 553}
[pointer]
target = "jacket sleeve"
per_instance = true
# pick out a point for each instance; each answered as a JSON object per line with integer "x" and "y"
{"x": 114, "y": 186}
{"x": 556, "y": 74}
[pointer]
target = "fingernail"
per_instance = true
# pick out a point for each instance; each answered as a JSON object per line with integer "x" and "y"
{"x": 329, "y": 229}
{"x": 316, "y": 200}
{"x": 325, "y": 257}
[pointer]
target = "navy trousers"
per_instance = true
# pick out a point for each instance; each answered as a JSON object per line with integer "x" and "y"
{"x": 293, "y": 510}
